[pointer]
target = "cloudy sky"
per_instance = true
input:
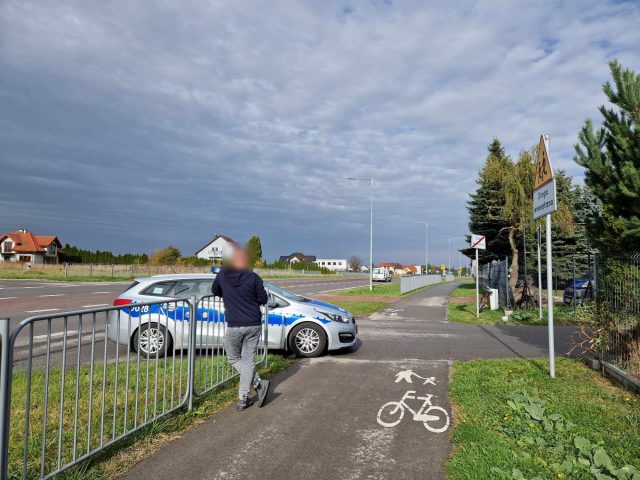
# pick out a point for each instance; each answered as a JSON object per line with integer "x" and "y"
{"x": 134, "y": 125}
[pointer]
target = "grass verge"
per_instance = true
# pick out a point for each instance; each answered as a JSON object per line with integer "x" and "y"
{"x": 513, "y": 422}
{"x": 391, "y": 289}
{"x": 158, "y": 383}
{"x": 466, "y": 290}
{"x": 466, "y": 313}
{"x": 360, "y": 309}
{"x": 57, "y": 276}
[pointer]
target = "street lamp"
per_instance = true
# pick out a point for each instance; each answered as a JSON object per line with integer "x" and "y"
{"x": 449, "y": 264}
{"x": 370, "y": 229}
{"x": 426, "y": 248}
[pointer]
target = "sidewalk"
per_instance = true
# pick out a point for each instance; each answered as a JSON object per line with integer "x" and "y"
{"x": 322, "y": 418}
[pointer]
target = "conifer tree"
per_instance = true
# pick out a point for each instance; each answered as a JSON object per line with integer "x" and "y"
{"x": 611, "y": 156}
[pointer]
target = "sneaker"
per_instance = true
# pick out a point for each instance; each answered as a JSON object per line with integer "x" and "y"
{"x": 244, "y": 403}
{"x": 263, "y": 390}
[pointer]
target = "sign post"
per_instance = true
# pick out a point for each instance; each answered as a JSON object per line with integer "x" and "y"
{"x": 539, "y": 239}
{"x": 544, "y": 204}
{"x": 478, "y": 242}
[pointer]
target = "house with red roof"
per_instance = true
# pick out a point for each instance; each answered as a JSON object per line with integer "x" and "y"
{"x": 26, "y": 247}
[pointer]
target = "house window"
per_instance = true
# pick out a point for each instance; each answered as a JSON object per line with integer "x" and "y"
{"x": 24, "y": 258}
{"x": 6, "y": 247}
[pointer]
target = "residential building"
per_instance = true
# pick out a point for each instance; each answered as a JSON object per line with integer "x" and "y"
{"x": 217, "y": 249}
{"x": 333, "y": 264}
{"x": 393, "y": 267}
{"x": 24, "y": 246}
{"x": 298, "y": 257}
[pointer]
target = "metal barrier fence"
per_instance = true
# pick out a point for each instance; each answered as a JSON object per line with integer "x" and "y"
{"x": 495, "y": 275}
{"x": 413, "y": 282}
{"x": 618, "y": 311}
{"x": 76, "y": 382}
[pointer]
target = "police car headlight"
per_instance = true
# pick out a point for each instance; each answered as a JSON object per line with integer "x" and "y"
{"x": 334, "y": 317}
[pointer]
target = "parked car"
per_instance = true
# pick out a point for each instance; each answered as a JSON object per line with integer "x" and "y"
{"x": 584, "y": 290}
{"x": 381, "y": 275}
{"x": 296, "y": 323}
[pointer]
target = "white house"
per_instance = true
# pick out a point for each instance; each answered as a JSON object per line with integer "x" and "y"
{"x": 333, "y": 264}
{"x": 217, "y": 249}
{"x": 24, "y": 246}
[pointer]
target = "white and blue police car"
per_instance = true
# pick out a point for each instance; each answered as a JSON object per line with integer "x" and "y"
{"x": 305, "y": 326}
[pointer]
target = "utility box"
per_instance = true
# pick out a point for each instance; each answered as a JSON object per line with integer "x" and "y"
{"x": 493, "y": 299}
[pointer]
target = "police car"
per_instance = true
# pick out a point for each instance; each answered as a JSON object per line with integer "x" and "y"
{"x": 295, "y": 323}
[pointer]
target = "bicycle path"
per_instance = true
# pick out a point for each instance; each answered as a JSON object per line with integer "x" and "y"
{"x": 322, "y": 421}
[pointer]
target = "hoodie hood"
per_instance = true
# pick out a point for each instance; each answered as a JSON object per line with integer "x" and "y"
{"x": 235, "y": 277}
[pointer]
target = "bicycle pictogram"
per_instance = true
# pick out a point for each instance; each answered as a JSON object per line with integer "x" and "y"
{"x": 434, "y": 418}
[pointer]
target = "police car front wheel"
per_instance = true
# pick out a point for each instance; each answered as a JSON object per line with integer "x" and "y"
{"x": 308, "y": 340}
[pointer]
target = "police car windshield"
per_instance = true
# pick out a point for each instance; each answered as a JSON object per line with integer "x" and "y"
{"x": 283, "y": 293}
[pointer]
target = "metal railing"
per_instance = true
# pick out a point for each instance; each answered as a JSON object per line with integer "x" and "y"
{"x": 617, "y": 313}
{"x": 495, "y": 275}
{"x": 409, "y": 283}
{"x": 74, "y": 383}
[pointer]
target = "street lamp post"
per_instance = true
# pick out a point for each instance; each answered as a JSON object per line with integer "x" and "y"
{"x": 449, "y": 264}
{"x": 426, "y": 247}
{"x": 370, "y": 229}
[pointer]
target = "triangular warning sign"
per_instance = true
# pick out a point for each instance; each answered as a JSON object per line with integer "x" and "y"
{"x": 544, "y": 172}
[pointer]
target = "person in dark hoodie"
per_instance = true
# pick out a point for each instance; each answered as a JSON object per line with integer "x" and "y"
{"x": 243, "y": 293}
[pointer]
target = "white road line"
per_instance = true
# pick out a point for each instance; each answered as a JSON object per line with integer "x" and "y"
{"x": 52, "y": 295}
{"x": 7, "y": 298}
{"x": 39, "y": 286}
{"x": 92, "y": 306}
{"x": 44, "y": 310}
{"x": 337, "y": 289}
{"x": 95, "y": 293}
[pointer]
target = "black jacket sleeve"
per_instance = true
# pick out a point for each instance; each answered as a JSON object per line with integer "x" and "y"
{"x": 216, "y": 289}
{"x": 261, "y": 293}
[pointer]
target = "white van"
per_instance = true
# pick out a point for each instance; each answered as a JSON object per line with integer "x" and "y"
{"x": 381, "y": 275}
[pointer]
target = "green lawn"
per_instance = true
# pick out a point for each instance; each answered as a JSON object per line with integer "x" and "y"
{"x": 466, "y": 313}
{"x": 59, "y": 276}
{"x": 360, "y": 309}
{"x": 466, "y": 290}
{"x": 513, "y": 422}
{"x": 391, "y": 289}
{"x": 153, "y": 396}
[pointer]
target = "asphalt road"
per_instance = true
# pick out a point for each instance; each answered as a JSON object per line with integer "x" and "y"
{"x": 20, "y": 299}
{"x": 324, "y": 419}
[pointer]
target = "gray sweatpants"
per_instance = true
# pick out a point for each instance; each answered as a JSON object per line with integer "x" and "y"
{"x": 241, "y": 345}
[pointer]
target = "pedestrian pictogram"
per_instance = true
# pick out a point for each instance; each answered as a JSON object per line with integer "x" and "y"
{"x": 544, "y": 172}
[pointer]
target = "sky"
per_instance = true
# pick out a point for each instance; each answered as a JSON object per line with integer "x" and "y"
{"x": 130, "y": 126}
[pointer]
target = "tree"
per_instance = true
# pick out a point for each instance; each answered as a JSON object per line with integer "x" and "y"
{"x": 165, "y": 256}
{"x": 486, "y": 203}
{"x": 355, "y": 263}
{"x": 254, "y": 250}
{"x": 611, "y": 156}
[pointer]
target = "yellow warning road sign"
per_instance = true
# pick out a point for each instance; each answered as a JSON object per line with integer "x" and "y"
{"x": 544, "y": 173}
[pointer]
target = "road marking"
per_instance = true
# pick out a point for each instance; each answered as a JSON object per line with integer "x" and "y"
{"x": 338, "y": 289}
{"x": 95, "y": 293}
{"x": 7, "y": 298}
{"x": 92, "y": 306}
{"x": 44, "y": 310}
{"x": 39, "y": 286}
{"x": 52, "y": 295}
